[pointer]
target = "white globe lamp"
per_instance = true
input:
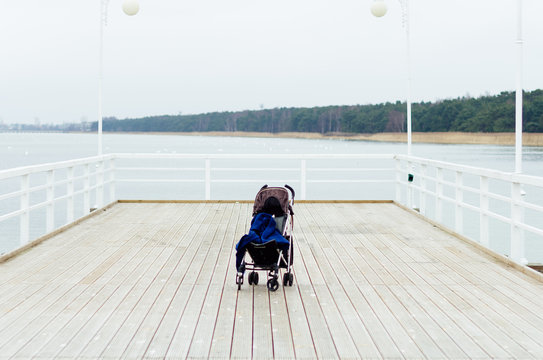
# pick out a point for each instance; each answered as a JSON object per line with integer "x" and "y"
{"x": 378, "y": 8}
{"x": 131, "y": 7}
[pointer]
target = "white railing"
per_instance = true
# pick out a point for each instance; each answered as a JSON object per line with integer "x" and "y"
{"x": 502, "y": 211}
{"x": 36, "y": 200}
{"x": 236, "y": 176}
{"x": 491, "y": 207}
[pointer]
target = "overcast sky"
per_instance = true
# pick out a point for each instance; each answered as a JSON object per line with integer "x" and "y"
{"x": 195, "y": 56}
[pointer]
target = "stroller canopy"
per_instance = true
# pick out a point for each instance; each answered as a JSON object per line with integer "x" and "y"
{"x": 279, "y": 193}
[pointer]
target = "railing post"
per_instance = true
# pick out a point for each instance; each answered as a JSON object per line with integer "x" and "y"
{"x": 410, "y": 192}
{"x": 439, "y": 195}
{"x": 303, "y": 178}
{"x": 70, "y": 193}
{"x": 422, "y": 193}
{"x": 398, "y": 181}
{"x": 112, "y": 183}
{"x": 459, "y": 199}
{"x": 483, "y": 217}
{"x": 86, "y": 189}
{"x": 50, "y": 209}
{"x": 24, "y": 225}
{"x": 517, "y": 241}
{"x": 100, "y": 184}
{"x": 208, "y": 178}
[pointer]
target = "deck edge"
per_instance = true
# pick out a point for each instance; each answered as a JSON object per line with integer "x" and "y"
{"x": 501, "y": 258}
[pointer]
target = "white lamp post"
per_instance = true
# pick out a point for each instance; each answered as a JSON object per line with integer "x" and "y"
{"x": 518, "y": 93}
{"x": 379, "y": 9}
{"x": 130, "y": 7}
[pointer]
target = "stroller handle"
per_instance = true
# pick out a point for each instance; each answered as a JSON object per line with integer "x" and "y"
{"x": 291, "y": 190}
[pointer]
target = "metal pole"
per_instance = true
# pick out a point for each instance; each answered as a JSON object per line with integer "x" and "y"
{"x": 518, "y": 97}
{"x": 103, "y": 21}
{"x": 379, "y": 9}
{"x": 405, "y": 8}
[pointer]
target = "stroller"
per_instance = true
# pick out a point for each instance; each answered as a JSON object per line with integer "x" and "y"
{"x": 270, "y": 240}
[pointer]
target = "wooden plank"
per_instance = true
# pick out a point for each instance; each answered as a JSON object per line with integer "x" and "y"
{"x": 441, "y": 296}
{"x": 184, "y": 335}
{"x": 154, "y": 305}
{"x": 409, "y": 323}
{"x": 262, "y": 326}
{"x": 394, "y": 328}
{"x": 242, "y": 335}
{"x": 371, "y": 281}
{"x": 283, "y": 342}
{"x": 54, "y": 337}
{"x": 128, "y": 337}
{"x": 19, "y": 305}
{"x": 118, "y": 330}
{"x": 26, "y": 320}
{"x": 102, "y": 330}
{"x": 339, "y": 287}
{"x": 423, "y": 315}
{"x": 89, "y": 331}
{"x": 222, "y": 340}
{"x": 51, "y": 261}
{"x": 515, "y": 340}
{"x": 440, "y": 315}
{"x": 209, "y": 310}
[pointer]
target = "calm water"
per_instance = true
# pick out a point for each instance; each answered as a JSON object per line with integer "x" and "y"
{"x": 20, "y": 149}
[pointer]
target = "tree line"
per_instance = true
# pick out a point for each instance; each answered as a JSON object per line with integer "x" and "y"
{"x": 483, "y": 114}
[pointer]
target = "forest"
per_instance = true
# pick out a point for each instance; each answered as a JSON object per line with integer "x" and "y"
{"x": 483, "y": 114}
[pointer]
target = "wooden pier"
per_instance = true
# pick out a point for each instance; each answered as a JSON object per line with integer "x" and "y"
{"x": 157, "y": 280}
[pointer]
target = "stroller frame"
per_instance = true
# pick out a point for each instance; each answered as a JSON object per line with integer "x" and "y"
{"x": 262, "y": 260}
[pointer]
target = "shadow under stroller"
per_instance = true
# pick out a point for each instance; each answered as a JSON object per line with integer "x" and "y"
{"x": 270, "y": 239}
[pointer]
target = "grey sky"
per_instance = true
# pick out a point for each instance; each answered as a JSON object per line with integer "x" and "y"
{"x": 213, "y": 55}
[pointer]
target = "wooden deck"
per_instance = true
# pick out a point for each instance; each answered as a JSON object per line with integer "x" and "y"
{"x": 158, "y": 281}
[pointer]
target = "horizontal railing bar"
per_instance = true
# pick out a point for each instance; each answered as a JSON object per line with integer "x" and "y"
{"x": 158, "y": 169}
{"x": 465, "y": 205}
{"x": 255, "y": 169}
{"x": 352, "y": 181}
{"x": 349, "y": 169}
{"x": 498, "y": 197}
{"x": 255, "y": 181}
{"x": 486, "y": 212}
{"x": 159, "y": 180}
{"x": 32, "y": 169}
{"x": 11, "y": 214}
{"x": 531, "y": 206}
{"x": 531, "y": 228}
{"x": 495, "y": 174}
{"x": 251, "y": 156}
{"x": 46, "y": 202}
{"x": 11, "y": 195}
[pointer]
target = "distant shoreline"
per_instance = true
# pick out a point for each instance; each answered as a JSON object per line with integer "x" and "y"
{"x": 528, "y": 139}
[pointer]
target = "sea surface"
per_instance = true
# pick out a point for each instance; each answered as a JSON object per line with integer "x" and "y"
{"x": 22, "y": 149}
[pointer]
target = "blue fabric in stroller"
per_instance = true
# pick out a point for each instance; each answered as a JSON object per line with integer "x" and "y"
{"x": 263, "y": 229}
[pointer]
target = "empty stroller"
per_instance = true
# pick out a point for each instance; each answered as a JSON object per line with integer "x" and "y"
{"x": 270, "y": 239}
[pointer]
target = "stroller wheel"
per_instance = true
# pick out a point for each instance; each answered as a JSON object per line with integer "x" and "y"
{"x": 250, "y": 278}
{"x": 285, "y": 279}
{"x": 239, "y": 280}
{"x": 273, "y": 284}
{"x": 288, "y": 279}
{"x": 255, "y": 278}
